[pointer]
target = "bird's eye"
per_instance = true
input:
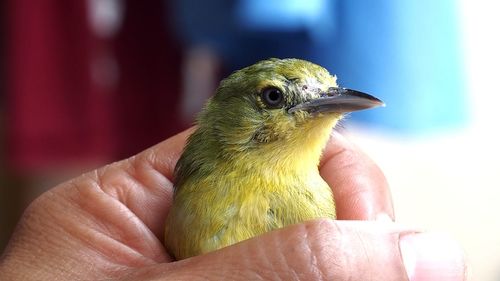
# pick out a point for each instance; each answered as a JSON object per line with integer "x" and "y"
{"x": 272, "y": 97}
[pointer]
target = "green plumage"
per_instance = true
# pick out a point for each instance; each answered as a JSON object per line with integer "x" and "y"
{"x": 252, "y": 164}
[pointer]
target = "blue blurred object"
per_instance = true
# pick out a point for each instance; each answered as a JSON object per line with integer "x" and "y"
{"x": 314, "y": 16}
{"x": 405, "y": 52}
{"x": 408, "y": 54}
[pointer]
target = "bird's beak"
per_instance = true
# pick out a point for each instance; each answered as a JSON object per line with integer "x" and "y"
{"x": 338, "y": 100}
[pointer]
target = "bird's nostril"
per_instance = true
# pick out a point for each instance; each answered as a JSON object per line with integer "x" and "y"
{"x": 333, "y": 91}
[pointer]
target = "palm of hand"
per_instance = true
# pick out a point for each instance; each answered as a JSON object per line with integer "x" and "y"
{"x": 109, "y": 223}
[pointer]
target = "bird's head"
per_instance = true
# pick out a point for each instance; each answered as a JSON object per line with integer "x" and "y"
{"x": 278, "y": 102}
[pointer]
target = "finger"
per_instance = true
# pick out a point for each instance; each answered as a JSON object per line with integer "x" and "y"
{"x": 360, "y": 188}
{"x": 163, "y": 156}
{"x": 324, "y": 250}
{"x": 143, "y": 183}
{"x": 153, "y": 170}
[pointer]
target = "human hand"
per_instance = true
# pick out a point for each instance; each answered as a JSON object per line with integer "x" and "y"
{"x": 108, "y": 224}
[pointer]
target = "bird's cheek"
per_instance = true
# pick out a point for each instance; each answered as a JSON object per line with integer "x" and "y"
{"x": 281, "y": 124}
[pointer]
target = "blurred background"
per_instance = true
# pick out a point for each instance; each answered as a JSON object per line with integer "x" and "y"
{"x": 84, "y": 83}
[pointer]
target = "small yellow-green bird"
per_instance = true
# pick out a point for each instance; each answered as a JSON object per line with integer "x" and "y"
{"x": 251, "y": 166}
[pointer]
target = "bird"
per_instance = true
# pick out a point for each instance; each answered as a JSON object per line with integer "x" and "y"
{"x": 251, "y": 165}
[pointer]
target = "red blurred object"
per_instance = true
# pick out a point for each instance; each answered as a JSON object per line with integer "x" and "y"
{"x": 76, "y": 97}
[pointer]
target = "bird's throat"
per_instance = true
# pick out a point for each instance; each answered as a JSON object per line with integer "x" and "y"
{"x": 300, "y": 151}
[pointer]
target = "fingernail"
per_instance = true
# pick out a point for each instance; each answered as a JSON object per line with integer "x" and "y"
{"x": 432, "y": 256}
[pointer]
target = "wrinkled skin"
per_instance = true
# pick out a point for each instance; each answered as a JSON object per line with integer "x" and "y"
{"x": 108, "y": 224}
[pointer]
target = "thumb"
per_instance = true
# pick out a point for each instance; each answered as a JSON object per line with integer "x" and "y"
{"x": 325, "y": 250}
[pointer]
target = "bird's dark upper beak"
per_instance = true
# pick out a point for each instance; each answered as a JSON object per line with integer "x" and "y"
{"x": 339, "y": 100}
